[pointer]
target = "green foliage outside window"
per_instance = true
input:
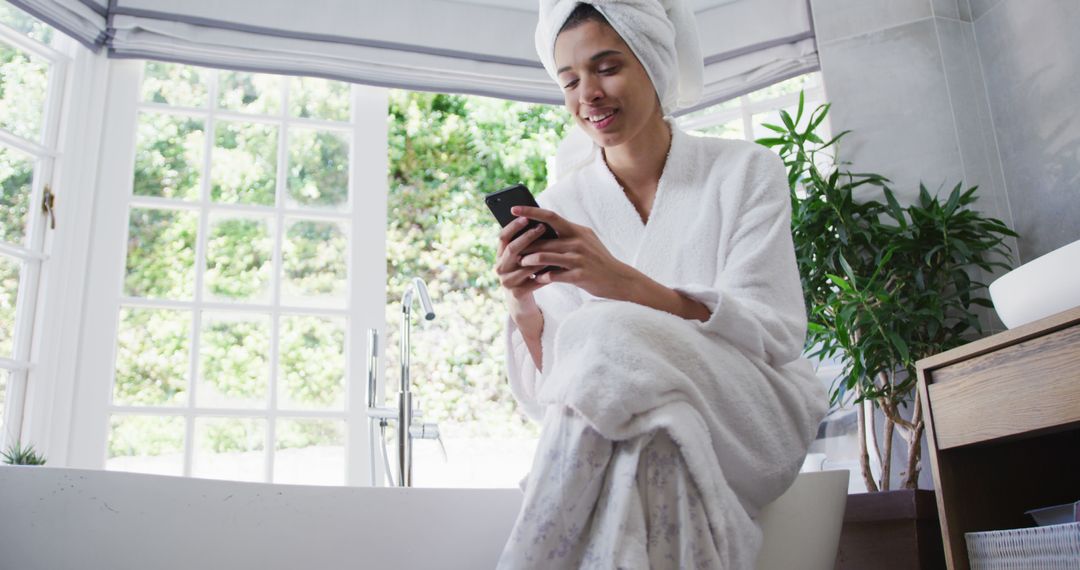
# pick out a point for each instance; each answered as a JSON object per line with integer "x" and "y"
{"x": 446, "y": 152}
{"x": 161, "y": 254}
{"x": 168, "y": 156}
{"x": 24, "y": 81}
{"x": 16, "y": 176}
{"x": 235, "y": 358}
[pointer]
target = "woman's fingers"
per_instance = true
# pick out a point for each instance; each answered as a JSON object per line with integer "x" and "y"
{"x": 521, "y": 280}
{"x": 561, "y": 226}
{"x": 543, "y": 258}
{"x": 556, "y": 276}
{"x": 520, "y": 243}
{"x": 506, "y": 234}
{"x": 513, "y": 273}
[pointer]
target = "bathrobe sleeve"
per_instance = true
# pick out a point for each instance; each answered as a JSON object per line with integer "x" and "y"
{"x": 755, "y": 300}
{"x": 521, "y": 371}
{"x": 556, "y": 301}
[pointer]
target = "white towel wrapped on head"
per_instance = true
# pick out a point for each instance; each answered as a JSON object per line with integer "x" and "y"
{"x": 661, "y": 33}
{"x": 663, "y": 36}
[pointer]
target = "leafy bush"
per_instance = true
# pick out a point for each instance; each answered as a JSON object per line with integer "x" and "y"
{"x": 446, "y": 152}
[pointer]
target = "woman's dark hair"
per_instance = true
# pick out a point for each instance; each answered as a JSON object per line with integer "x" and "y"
{"x": 583, "y": 13}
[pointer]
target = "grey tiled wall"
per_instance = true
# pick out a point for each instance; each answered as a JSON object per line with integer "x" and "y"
{"x": 1030, "y": 53}
{"x": 979, "y": 91}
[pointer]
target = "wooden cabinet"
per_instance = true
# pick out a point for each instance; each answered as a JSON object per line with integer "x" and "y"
{"x": 1003, "y": 427}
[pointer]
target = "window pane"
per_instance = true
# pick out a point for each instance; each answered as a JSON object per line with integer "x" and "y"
{"x": 310, "y": 452}
{"x": 230, "y": 448}
{"x": 169, "y": 156}
{"x": 16, "y": 185}
{"x": 786, "y": 87}
{"x": 318, "y": 169}
{"x": 312, "y": 363}
{"x": 174, "y": 84}
{"x": 319, "y": 98}
{"x": 9, "y": 298}
{"x": 239, "y": 253}
{"x": 315, "y": 258}
{"x": 24, "y": 82}
{"x": 710, "y": 110}
{"x": 161, "y": 254}
{"x": 152, "y": 358}
{"x": 234, "y": 360}
{"x": 146, "y": 444}
{"x": 249, "y": 92}
{"x": 729, "y": 130}
{"x": 25, "y": 23}
{"x": 244, "y": 165}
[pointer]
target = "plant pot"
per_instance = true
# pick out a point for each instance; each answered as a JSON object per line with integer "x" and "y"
{"x": 891, "y": 530}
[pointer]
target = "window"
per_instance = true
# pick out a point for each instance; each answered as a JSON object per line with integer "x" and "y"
{"x": 250, "y": 228}
{"x": 238, "y": 297}
{"x": 742, "y": 117}
{"x": 33, "y": 67}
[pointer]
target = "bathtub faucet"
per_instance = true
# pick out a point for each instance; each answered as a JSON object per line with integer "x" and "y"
{"x": 405, "y": 413}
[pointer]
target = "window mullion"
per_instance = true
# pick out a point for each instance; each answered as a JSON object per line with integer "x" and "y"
{"x": 277, "y": 273}
{"x": 105, "y": 276}
{"x": 27, "y": 255}
{"x": 11, "y": 364}
{"x": 202, "y": 238}
{"x": 367, "y": 269}
{"x": 27, "y": 146}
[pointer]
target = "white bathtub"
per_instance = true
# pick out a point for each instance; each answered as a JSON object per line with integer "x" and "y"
{"x": 73, "y": 519}
{"x": 60, "y": 519}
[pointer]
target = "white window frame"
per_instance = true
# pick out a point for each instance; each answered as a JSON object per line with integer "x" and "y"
{"x": 747, "y": 108}
{"x": 34, "y": 254}
{"x": 104, "y": 288}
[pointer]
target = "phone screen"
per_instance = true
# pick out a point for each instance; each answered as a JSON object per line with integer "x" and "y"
{"x": 517, "y": 195}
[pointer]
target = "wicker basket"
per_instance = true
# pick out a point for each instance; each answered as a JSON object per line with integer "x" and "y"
{"x": 1045, "y": 547}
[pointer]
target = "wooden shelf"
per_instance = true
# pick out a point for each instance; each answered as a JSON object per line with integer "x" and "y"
{"x": 1003, "y": 427}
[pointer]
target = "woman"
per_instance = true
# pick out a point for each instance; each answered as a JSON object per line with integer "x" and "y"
{"x": 664, "y": 354}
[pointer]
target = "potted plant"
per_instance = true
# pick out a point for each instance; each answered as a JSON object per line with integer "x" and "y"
{"x": 18, "y": 455}
{"x": 885, "y": 284}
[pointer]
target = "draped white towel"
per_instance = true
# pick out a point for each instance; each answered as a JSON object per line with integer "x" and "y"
{"x": 733, "y": 391}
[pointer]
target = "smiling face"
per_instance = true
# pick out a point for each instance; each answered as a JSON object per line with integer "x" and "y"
{"x": 605, "y": 87}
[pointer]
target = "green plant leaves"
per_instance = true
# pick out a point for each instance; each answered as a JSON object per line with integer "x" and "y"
{"x": 19, "y": 455}
{"x": 884, "y": 284}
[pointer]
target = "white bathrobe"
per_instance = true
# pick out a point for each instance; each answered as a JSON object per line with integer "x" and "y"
{"x": 733, "y": 392}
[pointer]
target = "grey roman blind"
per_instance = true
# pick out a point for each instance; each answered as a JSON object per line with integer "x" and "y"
{"x": 482, "y": 47}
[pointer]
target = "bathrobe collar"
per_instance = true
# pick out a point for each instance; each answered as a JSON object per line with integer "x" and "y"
{"x": 618, "y": 222}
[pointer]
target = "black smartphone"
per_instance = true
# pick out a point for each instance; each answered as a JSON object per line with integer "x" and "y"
{"x": 517, "y": 195}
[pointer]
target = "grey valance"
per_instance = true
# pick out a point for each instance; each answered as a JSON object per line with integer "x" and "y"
{"x": 459, "y": 46}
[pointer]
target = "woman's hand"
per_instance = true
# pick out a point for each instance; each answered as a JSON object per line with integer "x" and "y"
{"x": 517, "y": 280}
{"x": 580, "y": 255}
